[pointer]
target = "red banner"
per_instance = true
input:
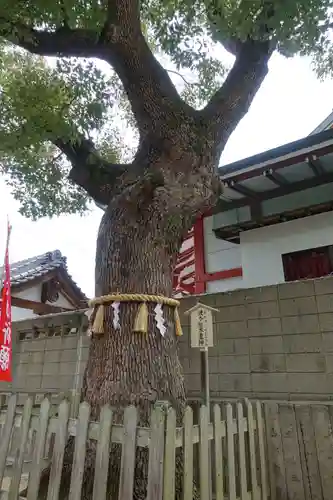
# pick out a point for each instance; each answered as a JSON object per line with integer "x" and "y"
{"x": 6, "y": 321}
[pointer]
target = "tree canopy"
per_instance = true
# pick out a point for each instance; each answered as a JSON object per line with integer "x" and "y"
{"x": 70, "y": 87}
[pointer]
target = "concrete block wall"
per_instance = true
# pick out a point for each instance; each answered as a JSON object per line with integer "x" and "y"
{"x": 46, "y": 357}
{"x": 273, "y": 342}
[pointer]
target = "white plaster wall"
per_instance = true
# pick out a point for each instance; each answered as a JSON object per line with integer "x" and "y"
{"x": 219, "y": 256}
{"x": 262, "y": 248}
{"x": 225, "y": 285}
{"x": 34, "y": 293}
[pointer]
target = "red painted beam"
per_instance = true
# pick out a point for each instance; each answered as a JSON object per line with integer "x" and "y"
{"x": 201, "y": 277}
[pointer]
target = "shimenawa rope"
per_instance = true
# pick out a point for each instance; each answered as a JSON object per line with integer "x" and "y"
{"x": 141, "y": 319}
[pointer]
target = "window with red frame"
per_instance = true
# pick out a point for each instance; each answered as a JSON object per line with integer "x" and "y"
{"x": 308, "y": 264}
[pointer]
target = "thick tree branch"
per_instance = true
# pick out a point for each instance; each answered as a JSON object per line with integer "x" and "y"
{"x": 61, "y": 42}
{"x": 95, "y": 175}
{"x": 152, "y": 95}
{"x": 232, "y": 101}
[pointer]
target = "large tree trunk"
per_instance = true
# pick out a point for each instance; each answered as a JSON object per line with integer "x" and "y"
{"x": 134, "y": 255}
{"x": 137, "y": 247}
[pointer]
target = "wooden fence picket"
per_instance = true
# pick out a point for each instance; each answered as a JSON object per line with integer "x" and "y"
{"x": 127, "y": 468}
{"x": 218, "y": 453}
{"x": 188, "y": 454}
{"x": 58, "y": 452}
{"x": 231, "y": 454}
{"x": 156, "y": 455}
{"x": 204, "y": 454}
{"x": 6, "y": 434}
{"x": 38, "y": 451}
{"x": 241, "y": 451}
{"x": 262, "y": 458}
{"x": 79, "y": 452}
{"x": 252, "y": 448}
{"x": 170, "y": 456}
{"x": 103, "y": 454}
{"x": 324, "y": 441}
{"x": 17, "y": 470}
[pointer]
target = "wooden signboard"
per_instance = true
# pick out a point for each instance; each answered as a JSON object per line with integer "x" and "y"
{"x": 201, "y": 326}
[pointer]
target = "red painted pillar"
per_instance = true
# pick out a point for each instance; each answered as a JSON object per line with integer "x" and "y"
{"x": 199, "y": 257}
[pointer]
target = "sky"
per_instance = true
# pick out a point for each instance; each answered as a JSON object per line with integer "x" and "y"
{"x": 289, "y": 105}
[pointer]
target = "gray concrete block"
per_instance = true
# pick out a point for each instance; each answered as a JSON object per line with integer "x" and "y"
{"x": 329, "y": 364}
{"x": 234, "y": 364}
{"x": 325, "y": 303}
{"x": 300, "y": 324}
{"x": 233, "y": 346}
{"x": 68, "y": 355}
{"x": 269, "y": 382}
{"x": 226, "y": 299}
{"x": 195, "y": 362}
{"x": 33, "y": 383}
{"x": 269, "y": 309}
{"x": 85, "y": 353}
{"x": 33, "y": 345}
{"x": 232, "y": 329}
{"x": 214, "y": 364}
{"x": 298, "y": 306}
{"x": 296, "y": 289}
{"x": 66, "y": 382}
{"x": 37, "y": 357}
{"x": 234, "y": 382}
{"x": 70, "y": 342}
{"x": 323, "y": 286}
{"x": 51, "y": 369}
{"x": 52, "y": 356}
{"x": 25, "y": 357}
{"x": 305, "y": 362}
{"x": 34, "y": 369}
{"x": 53, "y": 343}
{"x": 231, "y": 313}
{"x": 50, "y": 382}
{"x": 67, "y": 368}
{"x": 273, "y": 344}
{"x": 328, "y": 341}
{"x": 306, "y": 342}
{"x": 268, "y": 363}
{"x": 313, "y": 383}
{"x": 192, "y": 383}
{"x": 269, "y": 326}
{"x": 261, "y": 294}
{"x": 214, "y": 383}
{"x": 326, "y": 322}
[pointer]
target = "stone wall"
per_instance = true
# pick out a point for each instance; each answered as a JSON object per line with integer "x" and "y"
{"x": 273, "y": 342}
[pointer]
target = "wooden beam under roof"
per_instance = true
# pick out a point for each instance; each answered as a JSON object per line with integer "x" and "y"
{"x": 276, "y": 177}
{"x": 290, "y": 188}
{"x": 316, "y": 165}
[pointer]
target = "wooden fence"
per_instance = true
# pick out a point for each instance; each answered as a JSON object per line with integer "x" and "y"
{"x": 300, "y": 450}
{"x": 230, "y": 450}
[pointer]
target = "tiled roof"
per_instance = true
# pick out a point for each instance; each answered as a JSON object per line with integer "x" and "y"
{"x": 28, "y": 270}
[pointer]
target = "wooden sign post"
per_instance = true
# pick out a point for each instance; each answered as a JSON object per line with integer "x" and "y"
{"x": 202, "y": 338}
{"x": 201, "y": 317}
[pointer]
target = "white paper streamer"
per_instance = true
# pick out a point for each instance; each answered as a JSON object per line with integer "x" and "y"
{"x": 116, "y": 320}
{"x": 88, "y": 313}
{"x": 159, "y": 318}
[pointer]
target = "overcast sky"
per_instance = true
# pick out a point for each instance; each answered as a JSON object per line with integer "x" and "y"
{"x": 289, "y": 105}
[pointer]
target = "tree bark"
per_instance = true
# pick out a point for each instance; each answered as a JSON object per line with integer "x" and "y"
{"x": 125, "y": 368}
{"x": 137, "y": 247}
